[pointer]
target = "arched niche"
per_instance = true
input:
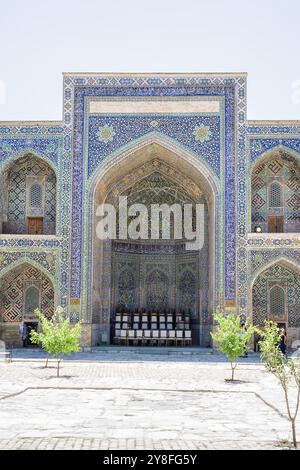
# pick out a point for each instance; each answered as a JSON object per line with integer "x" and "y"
{"x": 23, "y": 288}
{"x": 117, "y": 178}
{"x": 28, "y": 196}
{"x": 275, "y": 192}
{"x": 275, "y": 297}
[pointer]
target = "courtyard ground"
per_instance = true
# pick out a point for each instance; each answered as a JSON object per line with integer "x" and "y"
{"x": 140, "y": 399}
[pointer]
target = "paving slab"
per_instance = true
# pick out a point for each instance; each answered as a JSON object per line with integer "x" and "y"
{"x": 135, "y": 401}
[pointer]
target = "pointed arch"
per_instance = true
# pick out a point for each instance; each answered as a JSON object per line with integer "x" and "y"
{"x": 17, "y": 175}
{"x": 274, "y": 197}
{"x": 270, "y": 153}
{"x": 16, "y": 280}
{"x": 24, "y": 260}
{"x": 151, "y": 167}
{"x": 96, "y": 260}
{"x": 283, "y": 261}
{"x": 260, "y": 299}
{"x": 17, "y": 156}
{"x": 125, "y": 152}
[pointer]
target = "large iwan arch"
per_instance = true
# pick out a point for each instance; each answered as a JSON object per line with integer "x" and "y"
{"x": 118, "y": 176}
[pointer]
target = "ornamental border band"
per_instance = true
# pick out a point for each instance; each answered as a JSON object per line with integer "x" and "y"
{"x": 156, "y": 139}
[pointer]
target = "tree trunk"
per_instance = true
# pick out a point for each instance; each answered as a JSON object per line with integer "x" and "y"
{"x": 294, "y": 433}
{"x": 291, "y": 418}
{"x": 46, "y": 365}
{"x": 58, "y": 363}
{"x": 232, "y": 372}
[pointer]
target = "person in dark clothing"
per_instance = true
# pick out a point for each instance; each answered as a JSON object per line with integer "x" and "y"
{"x": 282, "y": 345}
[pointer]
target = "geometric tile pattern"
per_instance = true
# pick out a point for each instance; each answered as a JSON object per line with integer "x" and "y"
{"x": 45, "y": 140}
{"x": 187, "y": 292}
{"x": 261, "y": 290}
{"x": 13, "y": 287}
{"x": 294, "y": 183}
{"x": 294, "y": 202}
{"x": 46, "y": 258}
{"x": 263, "y": 256}
{"x": 76, "y": 158}
{"x": 17, "y": 140}
{"x": 171, "y": 281}
{"x": 157, "y": 291}
{"x": 266, "y": 138}
{"x": 257, "y": 202}
{"x": 77, "y": 92}
{"x": 287, "y": 180}
{"x": 275, "y": 166}
{"x": 179, "y": 128}
{"x": 257, "y": 182}
{"x": 16, "y": 175}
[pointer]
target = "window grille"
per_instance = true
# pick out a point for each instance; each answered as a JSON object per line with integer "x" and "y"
{"x": 32, "y": 299}
{"x": 35, "y": 196}
{"x": 277, "y": 301}
{"x": 275, "y": 195}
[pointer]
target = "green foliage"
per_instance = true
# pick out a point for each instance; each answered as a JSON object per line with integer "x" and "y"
{"x": 232, "y": 337}
{"x": 271, "y": 355}
{"x": 57, "y": 336}
{"x": 286, "y": 370}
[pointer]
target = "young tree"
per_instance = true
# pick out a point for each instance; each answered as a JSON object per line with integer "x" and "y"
{"x": 232, "y": 336}
{"x": 286, "y": 370}
{"x": 57, "y": 336}
{"x": 43, "y": 338}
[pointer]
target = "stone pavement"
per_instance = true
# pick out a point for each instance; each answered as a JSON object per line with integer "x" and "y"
{"x": 125, "y": 400}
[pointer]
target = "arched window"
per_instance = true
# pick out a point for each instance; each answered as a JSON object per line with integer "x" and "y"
{"x": 277, "y": 301}
{"x": 275, "y": 195}
{"x": 35, "y": 195}
{"x": 32, "y": 300}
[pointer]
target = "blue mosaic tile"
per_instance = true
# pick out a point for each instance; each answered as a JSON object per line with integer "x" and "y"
{"x": 179, "y": 128}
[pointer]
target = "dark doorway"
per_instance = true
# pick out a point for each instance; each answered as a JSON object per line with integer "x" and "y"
{"x": 31, "y": 326}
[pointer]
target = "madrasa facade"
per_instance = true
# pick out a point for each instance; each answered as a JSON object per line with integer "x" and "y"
{"x": 156, "y": 139}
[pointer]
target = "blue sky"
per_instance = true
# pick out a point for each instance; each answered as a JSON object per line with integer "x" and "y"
{"x": 40, "y": 40}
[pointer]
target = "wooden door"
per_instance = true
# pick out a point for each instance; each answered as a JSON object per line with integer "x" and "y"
{"x": 279, "y": 224}
{"x": 275, "y": 224}
{"x": 272, "y": 224}
{"x": 35, "y": 225}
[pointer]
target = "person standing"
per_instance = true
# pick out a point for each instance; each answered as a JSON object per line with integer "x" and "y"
{"x": 25, "y": 335}
{"x": 282, "y": 345}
